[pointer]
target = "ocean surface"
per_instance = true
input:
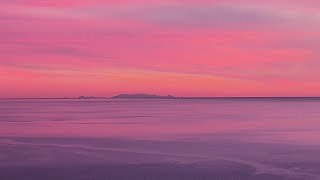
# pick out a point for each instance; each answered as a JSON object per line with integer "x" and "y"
{"x": 168, "y": 139}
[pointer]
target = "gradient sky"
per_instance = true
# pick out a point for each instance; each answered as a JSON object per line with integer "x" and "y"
{"x": 184, "y": 48}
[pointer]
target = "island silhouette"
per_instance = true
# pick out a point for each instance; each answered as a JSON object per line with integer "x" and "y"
{"x": 155, "y": 96}
{"x": 142, "y": 96}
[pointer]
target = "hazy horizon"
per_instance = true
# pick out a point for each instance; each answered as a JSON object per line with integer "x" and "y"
{"x": 177, "y": 97}
{"x": 151, "y": 96}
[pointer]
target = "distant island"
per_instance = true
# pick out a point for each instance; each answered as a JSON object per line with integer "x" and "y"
{"x": 90, "y": 97}
{"x": 142, "y": 96}
{"x": 153, "y": 96}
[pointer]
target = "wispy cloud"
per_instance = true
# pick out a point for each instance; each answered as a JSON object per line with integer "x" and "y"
{"x": 228, "y": 15}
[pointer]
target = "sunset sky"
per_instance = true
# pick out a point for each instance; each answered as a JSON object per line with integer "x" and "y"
{"x": 68, "y": 48}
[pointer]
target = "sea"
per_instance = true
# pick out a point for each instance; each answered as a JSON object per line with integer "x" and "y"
{"x": 160, "y": 139}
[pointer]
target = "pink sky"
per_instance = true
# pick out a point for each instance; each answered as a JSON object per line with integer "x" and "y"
{"x": 184, "y": 48}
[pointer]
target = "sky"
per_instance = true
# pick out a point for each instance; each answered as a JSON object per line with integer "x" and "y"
{"x": 68, "y": 48}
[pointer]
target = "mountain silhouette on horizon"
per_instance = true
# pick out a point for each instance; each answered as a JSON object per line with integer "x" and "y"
{"x": 142, "y": 96}
{"x": 90, "y": 97}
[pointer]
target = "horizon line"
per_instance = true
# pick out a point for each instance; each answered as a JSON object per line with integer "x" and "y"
{"x": 174, "y": 97}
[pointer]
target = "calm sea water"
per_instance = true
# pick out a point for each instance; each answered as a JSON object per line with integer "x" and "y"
{"x": 272, "y": 120}
{"x": 213, "y": 138}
